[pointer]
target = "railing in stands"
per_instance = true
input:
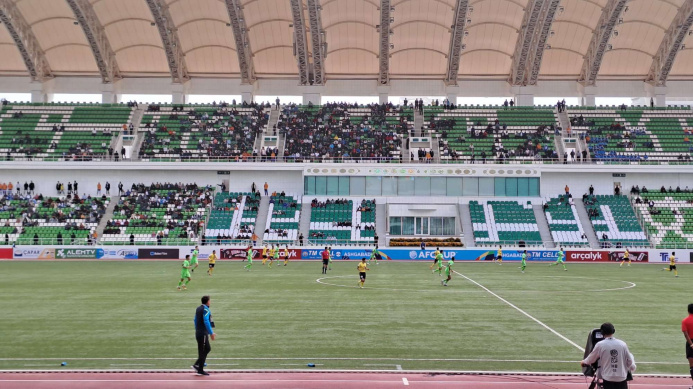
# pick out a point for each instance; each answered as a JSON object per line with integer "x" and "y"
{"x": 384, "y": 160}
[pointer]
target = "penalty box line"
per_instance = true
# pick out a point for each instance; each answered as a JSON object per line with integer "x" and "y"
{"x": 521, "y": 311}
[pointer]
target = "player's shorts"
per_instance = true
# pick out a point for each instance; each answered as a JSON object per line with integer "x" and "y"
{"x": 689, "y": 351}
{"x": 672, "y": 267}
{"x": 362, "y": 276}
{"x": 264, "y": 256}
{"x": 211, "y": 265}
{"x": 185, "y": 274}
{"x": 559, "y": 261}
{"x": 499, "y": 257}
{"x": 325, "y": 261}
{"x": 435, "y": 260}
{"x": 193, "y": 262}
{"x": 250, "y": 260}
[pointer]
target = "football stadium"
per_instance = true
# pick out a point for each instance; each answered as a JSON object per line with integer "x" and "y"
{"x": 346, "y": 193}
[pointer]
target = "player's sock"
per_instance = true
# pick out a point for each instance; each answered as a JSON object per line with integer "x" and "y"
{"x": 676, "y": 272}
{"x": 180, "y": 283}
{"x": 621, "y": 265}
{"x": 691, "y": 370}
{"x": 186, "y": 282}
{"x": 564, "y": 268}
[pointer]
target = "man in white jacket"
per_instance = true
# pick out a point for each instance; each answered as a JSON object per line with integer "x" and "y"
{"x": 615, "y": 360}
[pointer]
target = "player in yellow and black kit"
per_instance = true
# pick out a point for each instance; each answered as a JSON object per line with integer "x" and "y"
{"x": 362, "y": 267}
{"x": 672, "y": 264}
{"x": 264, "y": 254}
{"x": 499, "y": 255}
{"x": 286, "y": 255}
{"x": 626, "y": 257}
{"x": 212, "y": 262}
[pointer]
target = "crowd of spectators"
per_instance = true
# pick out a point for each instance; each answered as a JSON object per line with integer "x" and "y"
{"x": 180, "y": 203}
{"x": 224, "y": 133}
{"x": 334, "y": 131}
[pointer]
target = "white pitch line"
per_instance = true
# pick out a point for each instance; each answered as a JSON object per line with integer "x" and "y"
{"x": 328, "y": 359}
{"x": 521, "y": 311}
{"x": 130, "y": 364}
{"x": 405, "y": 381}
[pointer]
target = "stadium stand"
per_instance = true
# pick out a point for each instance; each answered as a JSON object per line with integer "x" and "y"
{"x": 232, "y": 219}
{"x": 668, "y": 217}
{"x": 348, "y": 132}
{"x": 170, "y": 214}
{"x": 504, "y": 222}
{"x": 342, "y": 221}
{"x": 185, "y": 133}
{"x": 284, "y": 214}
{"x": 27, "y": 219}
{"x": 614, "y": 221}
{"x": 564, "y": 222}
{"x": 473, "y": 133}
{"x": 636, "y": 134}
{"x": 61, "y": 132}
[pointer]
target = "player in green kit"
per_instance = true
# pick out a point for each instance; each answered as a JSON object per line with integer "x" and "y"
{"x": 193, "y": 261}
{"x": 448, "y": 272}
{"x": 275, "y": 255}
{"x": 438, "y": 262}
{"x": 249, "y": 258}
{"x": 185, "y": 274}
{"x": 329, "y": 258}
{"x": 374, "y": 256}
{"x": 524, "y": 261}
{"x": 560, "y": 259}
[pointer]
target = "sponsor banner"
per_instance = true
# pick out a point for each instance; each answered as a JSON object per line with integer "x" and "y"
{"x": 6, "y": 253}
{"x": 242, "y": 253}
{"x": 33, "y": 252}
{"x": 469, "y": 255}
{"x": 587, "y": 256}
{"x": 120, "y": 253}
{"x": 635, "y": 256}
{"x": 158, "y": 253}
{"x": 342, "y": 254}
{"x": 662, "y": 256}
{"x": 74, "y": 253}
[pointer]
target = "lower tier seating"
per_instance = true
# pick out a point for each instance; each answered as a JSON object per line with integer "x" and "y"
{"x": 668, "y": 218}
{"x": 564, "y": 221}
{"x": 504, "y": 223}
{"x": 614, "y": 221}
{"x": 340, "y": 221}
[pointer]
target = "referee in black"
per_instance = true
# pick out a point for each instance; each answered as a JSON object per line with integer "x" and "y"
{"x": 203, "y": 333}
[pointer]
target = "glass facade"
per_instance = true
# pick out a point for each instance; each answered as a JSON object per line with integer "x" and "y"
{"x": 410, "y": 225}
{"x": 422, "y": 186}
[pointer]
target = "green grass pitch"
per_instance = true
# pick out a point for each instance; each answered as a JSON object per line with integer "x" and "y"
{"x": 128, "y": 315}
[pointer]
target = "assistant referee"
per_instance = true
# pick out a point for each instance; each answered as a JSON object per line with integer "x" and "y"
{"x": 203, "y": 332}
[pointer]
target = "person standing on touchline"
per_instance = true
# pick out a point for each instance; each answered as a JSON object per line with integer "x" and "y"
{"x": 203, "y": 333}
{"x": 687, "y": 328}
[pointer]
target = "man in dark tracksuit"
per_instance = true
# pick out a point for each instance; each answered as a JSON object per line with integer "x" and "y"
{"x": 203, "y": 333}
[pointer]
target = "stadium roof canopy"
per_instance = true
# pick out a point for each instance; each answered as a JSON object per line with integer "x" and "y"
{"x": 201, "y": 38}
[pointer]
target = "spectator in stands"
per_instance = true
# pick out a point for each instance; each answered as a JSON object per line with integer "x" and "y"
{"x": 120, "y": 188}
{"x": 423, "y": 245}
{"x": 266, "y": 188}
{"x": 591, "y": 190}
{"x": 98, "y": 188}
{"x": 36, "y": 239}
{"x": 132, "y": 240}
{"x": 74, "y": 186}
{"x": 617, "y": 190}
{"x": 108, "y": 188}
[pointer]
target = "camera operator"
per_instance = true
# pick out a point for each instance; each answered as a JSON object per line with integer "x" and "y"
{"x": 615, "y": 360}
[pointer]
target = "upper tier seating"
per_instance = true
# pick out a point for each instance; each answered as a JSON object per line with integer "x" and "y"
{"x": 348, "y": 132}
{"x": 232, "y": 219}
{"x": 563, "y": 220}
{"x": 39, "y": 220}
{"x": 669, "y": 221}
{"x": 169, "y": 214}
{"x": 199, "y": 133}
{"x": 339, "y": 221}
{"x": 283, "y": 217}
{"x": 494, "y": 134}
{"x": 504, "y": 223}
{"x": 636, "y": 133}
{"x": 60, "y": 132}
{"x": 614, "y": 221}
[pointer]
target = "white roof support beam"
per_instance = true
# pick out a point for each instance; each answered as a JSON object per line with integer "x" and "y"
{"x": 600, "y": 40}
{"x": 169, "y": 37}
{"x": 317, "y": 35}
{"x": 300, "y": 43}
{"x": 671, "y": 44}
{"x": 98, "y": 41}
{"x": 384, "y": 57}
{"x": 523, "y": 47}
{"x": 34, "y": 57}
{"x": 456, "y": 37}
{"x": 548, "y": 13}
{"x": 240, "y": 35}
